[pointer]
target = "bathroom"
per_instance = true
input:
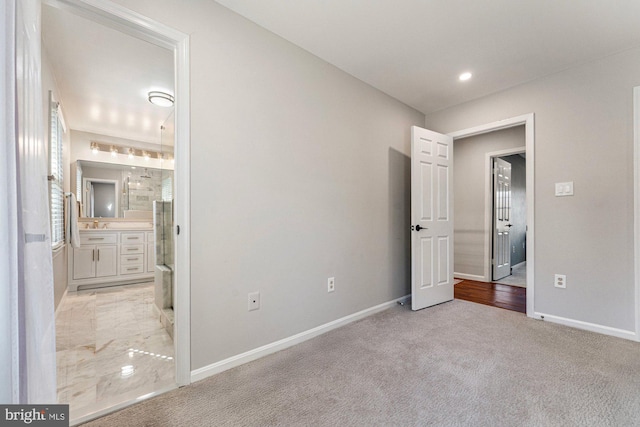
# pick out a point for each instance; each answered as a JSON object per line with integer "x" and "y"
{"x": 110, "y": 119}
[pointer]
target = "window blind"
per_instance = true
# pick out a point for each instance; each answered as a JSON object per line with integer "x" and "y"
{"x": 56, "y": 175}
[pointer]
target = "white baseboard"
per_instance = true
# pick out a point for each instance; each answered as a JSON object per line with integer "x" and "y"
{"x": 469, "y": 277}
{"x": 232, "y": 362}
{"x": 593, "y": 327}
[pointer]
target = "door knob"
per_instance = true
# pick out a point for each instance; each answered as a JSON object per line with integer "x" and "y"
{"x": 418, "y": 228}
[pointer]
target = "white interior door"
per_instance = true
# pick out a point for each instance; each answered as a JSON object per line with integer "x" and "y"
{"x": 431, "y": 218}
{"x": 501, "y": 219}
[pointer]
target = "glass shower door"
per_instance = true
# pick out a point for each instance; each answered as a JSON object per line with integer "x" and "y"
{"x": 163, "y": 229}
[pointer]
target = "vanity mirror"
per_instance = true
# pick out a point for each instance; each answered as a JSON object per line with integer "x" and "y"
{"x": 106, "y": 190}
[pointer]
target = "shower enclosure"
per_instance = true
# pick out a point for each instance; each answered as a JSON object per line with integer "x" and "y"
{"x": 163, "y": 214}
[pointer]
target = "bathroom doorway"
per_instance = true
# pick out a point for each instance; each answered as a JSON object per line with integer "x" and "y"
{"x": 117, "y": 342}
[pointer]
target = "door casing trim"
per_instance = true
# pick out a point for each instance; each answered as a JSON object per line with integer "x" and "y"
{"x": 528, "y": 121}
{"x": 636, "y": 206}
{"x": 137, "y": 25}
{"x": 488, "y": 205}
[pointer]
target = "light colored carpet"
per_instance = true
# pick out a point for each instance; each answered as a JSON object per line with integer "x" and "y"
{"x": 456, "y": 364}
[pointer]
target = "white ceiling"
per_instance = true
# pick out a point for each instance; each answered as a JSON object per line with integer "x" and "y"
{"x": 414, "y": 50}
{"x": 104, "y": 76}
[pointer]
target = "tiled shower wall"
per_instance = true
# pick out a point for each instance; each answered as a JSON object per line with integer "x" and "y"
{"x": 163, "y": 223}
{"x": 141, "y": 191}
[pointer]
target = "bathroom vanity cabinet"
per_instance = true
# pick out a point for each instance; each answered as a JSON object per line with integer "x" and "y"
{"x": 109, "y": 257}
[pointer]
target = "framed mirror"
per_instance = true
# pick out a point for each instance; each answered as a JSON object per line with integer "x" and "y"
{"x": 107, "y": 190}
{"x": 101, "y": 197}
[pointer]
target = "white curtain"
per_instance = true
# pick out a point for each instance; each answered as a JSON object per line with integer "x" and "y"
{"x": 28, "y": 349}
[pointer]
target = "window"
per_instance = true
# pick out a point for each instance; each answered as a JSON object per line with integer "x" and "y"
{"x": 56, "y": 185}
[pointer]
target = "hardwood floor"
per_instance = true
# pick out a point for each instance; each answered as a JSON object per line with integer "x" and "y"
{"x": 494, "y": 294}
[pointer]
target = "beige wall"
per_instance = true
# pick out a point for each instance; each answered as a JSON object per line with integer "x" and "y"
{"x": 299, "y": 172}
{"x": 584, "y": 134}
{"x": 469, "y": 195}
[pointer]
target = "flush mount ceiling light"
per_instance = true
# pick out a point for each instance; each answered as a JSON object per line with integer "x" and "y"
{"x": 465, "y": 76}
{"x": 161, "y": 99}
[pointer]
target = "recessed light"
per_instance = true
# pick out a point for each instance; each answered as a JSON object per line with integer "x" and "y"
{"x": 465, "y": 76}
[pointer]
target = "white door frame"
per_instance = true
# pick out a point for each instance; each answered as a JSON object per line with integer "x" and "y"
{"x": 137, "y": 25}
{"x": 488, "y": 205}
{"x": 636, "y": 204}
{"x": 528, "y": 121}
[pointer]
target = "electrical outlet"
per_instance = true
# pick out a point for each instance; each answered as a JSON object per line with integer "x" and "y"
{"x": 331, "y": 284}
{"x": 560, "y": 281}
{"x": 514, "y": 249}
{"x": 254, "y": 301}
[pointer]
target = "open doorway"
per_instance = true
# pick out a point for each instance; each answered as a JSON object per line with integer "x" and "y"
{"x": 509, "y": 212}
{"x": 475, "y": 152}
{"x": 117, "y": 337}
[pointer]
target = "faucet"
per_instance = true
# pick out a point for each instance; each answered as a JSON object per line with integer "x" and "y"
{"x": 95, "y": 223}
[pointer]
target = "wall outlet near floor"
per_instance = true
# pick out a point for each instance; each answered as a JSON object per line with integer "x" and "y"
{"x": 254, "y": 301}
{"x": 560, "y": 281}
{"x": 331, "y": 284}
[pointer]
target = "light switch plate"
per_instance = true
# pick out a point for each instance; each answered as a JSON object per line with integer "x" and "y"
{"x": 564, "y": 189}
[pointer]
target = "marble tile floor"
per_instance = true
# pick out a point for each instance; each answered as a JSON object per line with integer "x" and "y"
{"x": 110, "y": 348}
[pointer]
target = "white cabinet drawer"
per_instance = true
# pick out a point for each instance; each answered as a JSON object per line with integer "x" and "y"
{"x": 98, "y": 238}
{"x": 132, "y": 259}
{"x": 132, "y": 238}
{"x": 132, "y": 249}
{"x": 131, "y": 269}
